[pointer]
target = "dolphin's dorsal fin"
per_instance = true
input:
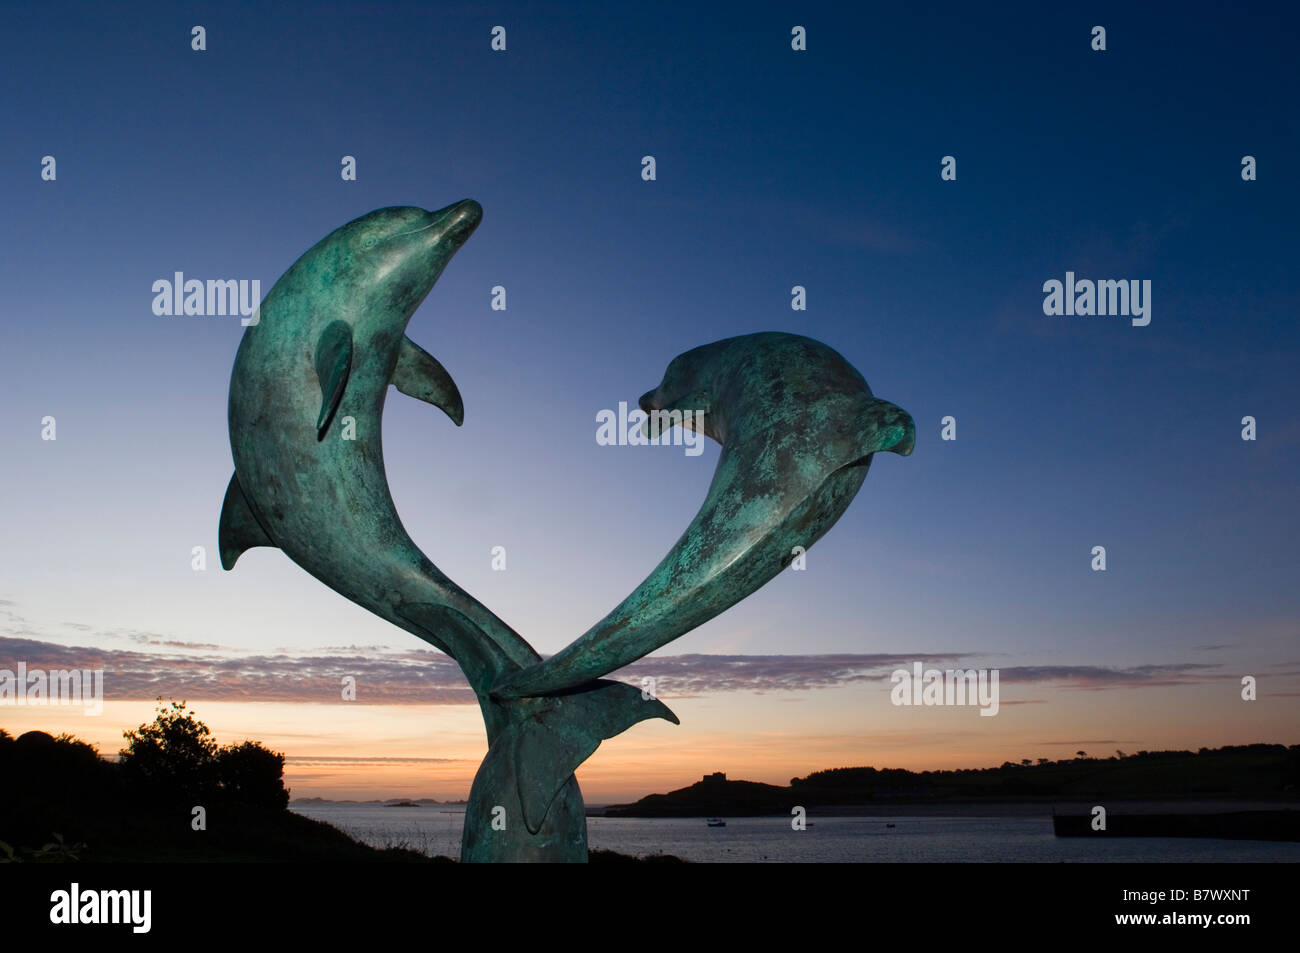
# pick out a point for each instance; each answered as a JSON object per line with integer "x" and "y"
{"x": 240, "y": 528}
{"x": 333, "y": 365}
{"x": 418, "y": 374}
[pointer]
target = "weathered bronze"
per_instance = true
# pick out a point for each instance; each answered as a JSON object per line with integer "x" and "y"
{"x": 798, "y": 427}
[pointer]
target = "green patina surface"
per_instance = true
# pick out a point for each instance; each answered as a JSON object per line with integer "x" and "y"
{"x": 797, "y": 424}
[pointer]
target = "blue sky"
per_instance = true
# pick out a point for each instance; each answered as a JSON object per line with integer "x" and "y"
{"x": 774, "y": 168}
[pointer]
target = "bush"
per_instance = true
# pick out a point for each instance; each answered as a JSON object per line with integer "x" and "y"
{"x": 173, "y": 759}
{"x": 252, "y": 774}
{"x": 176, "y": 761}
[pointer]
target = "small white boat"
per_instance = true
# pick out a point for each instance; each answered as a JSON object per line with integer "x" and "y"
{"x": 715, "y": 822}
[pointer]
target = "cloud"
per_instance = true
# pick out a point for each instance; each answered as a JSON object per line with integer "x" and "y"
{"x": 1071, "y": 744}
{"x": 18, "y": 626}
{"x": 689, "y": 675}
{"x": 420, "y": 676}
{"x": 1097, "y": 678}
{"x": 411, "y": 677}
{"x": 147, "y": 639}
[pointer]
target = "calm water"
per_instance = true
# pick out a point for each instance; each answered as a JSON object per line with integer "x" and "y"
{"x": 748, "y": 839}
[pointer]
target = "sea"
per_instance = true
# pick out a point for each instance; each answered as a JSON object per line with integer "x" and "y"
{"x": 435, "y": 829}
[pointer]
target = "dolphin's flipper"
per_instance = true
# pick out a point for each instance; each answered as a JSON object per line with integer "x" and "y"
{"x": 559, "y": 732}
{"x": 333, "y": 365}
{"x": 240, "y": 529}
{"x": 418, "y": 374}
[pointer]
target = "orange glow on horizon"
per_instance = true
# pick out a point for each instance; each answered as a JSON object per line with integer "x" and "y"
{"x": 363, "y": 752}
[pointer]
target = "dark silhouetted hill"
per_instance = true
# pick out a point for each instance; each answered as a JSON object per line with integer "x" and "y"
{"x": 1259, "y": 771}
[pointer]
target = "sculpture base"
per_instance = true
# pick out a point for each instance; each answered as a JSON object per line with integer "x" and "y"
{"x": 494, "y": 826}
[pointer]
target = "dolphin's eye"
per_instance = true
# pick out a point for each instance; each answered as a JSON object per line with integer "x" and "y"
{"x": 369, "y": 240}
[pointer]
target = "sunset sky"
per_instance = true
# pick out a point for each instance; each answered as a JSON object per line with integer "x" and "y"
{"x": 775, "y": 168}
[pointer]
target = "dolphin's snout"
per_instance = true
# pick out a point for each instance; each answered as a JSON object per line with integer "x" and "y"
{"x": 907, "y": 444}
{"x": 648, "y": 403}
{"x": 467, "y": 214}
{"x": 459, "y": 220}
{"x": 895, "y": 431}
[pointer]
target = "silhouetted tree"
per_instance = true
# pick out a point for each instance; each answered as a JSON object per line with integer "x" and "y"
{"x": 174, "y": 757}
{"x": 252, "y": 774}
{"x": 176, "y": 760}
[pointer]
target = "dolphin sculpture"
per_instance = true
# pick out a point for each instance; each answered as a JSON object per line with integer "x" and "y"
{"x": 307, "y": 394}
{"x": 798, "y": 427}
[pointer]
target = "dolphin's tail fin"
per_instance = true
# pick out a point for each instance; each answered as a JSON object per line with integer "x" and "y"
{"x": 547, "y": 737}
{"x": 534, "y": 743}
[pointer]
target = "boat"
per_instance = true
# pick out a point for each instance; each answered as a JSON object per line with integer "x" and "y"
{"x": 715, "y": 822}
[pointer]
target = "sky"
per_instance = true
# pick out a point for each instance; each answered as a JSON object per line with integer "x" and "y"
{"x": 773, "y": 168}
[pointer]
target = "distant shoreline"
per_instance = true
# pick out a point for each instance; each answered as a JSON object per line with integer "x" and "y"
{"x": 378, "y": 801}
{"x": 905, "y": 809}
{"x": 1206, "y": 781}
{"x": 982, "y": 808}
